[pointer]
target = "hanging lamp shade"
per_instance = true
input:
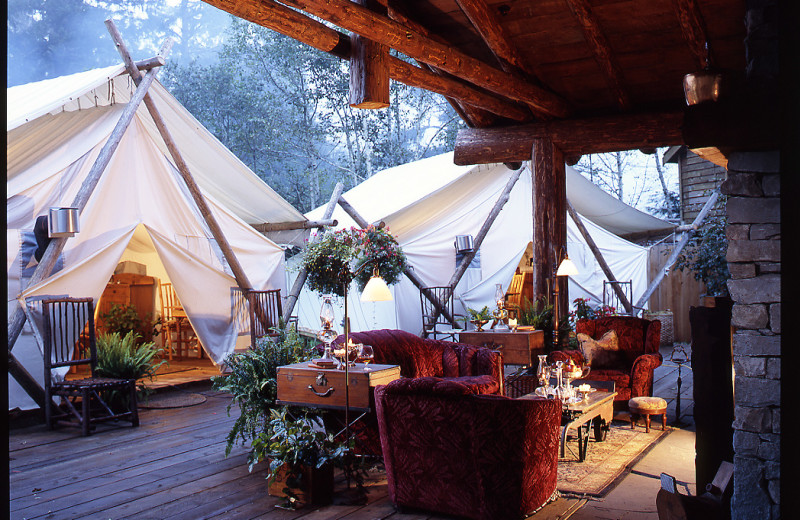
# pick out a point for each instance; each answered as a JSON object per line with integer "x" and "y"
{"x": 376, "y": 289}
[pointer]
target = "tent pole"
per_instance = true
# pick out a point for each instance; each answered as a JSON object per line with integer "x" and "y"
{"x": 350, "y": 210}
{"x": 56, "y": 245}
{"x": 291, "y": 299}
{"x": 712, "y": 199}
{"x": 599, "y": 257}
{"x": 484, "y": 230}
{"x": 194, "y": 190}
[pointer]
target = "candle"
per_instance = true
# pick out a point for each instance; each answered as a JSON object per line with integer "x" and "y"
{"x": 512, "y": 322}
{"x": 584, "y": 388}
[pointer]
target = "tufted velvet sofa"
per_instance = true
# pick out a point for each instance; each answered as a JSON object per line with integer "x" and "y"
{"x": 480, "y": 368}
{"x": 451, "y": 451}
{"x": 639, "y": 340}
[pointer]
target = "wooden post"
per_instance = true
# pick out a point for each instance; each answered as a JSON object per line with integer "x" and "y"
{"x": 291, "y": 299}
{"x": 674, "y": 256}
{"x": 183, "y": 169}
{"x": 599, "y": 257}
{"x": 56, "y": 245}
{"x": 285, "y": 226}
{"x": 549, "y": 218}
{"x": 369, "y": 70}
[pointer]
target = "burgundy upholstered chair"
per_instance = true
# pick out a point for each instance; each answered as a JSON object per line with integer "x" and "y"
{"x": 478, "y": 367}
{"x": 639, "y": 340}
{"x": 451, "y": 451}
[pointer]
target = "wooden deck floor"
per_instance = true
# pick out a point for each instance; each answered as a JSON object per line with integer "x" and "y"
{"x": 173, "y": 466}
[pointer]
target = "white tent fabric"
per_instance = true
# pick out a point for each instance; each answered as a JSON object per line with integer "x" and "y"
{"x": 439, "y": 201}
{"x": 140, "y": 211}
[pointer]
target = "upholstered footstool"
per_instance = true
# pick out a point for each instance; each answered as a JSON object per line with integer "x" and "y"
{"x": 648, "y": 406}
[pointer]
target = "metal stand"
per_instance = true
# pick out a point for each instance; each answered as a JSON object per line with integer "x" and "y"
{"x": 680, "y": 358}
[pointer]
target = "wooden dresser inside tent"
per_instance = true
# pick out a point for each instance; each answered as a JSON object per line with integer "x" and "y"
{"x": 129, "y": 289}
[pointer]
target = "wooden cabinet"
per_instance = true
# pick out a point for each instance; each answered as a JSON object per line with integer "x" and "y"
{"x": 302, "y": 385}
{"x": 518, "y": 348}
{"x": 129, "y": 289}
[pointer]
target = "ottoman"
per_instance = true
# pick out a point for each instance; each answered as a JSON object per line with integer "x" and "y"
{"x": 648, "y": 406}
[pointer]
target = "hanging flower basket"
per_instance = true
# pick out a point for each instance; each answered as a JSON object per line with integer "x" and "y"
{"x": 331, "y": 262}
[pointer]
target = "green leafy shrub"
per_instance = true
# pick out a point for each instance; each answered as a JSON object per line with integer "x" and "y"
{"x": 705, "y": 255}
{"x": 252, "y": 381}
{"x": 480, "y": 315}
{"x": 123, "y": 358}
{"x": 539, "y": 315}
{"x": 123, "y": 319}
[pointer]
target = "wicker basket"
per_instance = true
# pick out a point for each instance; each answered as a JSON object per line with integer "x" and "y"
{"x": 667, "y": 325}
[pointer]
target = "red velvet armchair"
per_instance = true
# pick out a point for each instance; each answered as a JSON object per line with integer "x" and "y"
{"x": 639, "y": 340}
{"x": 480, "y": 368}
{"x": 451, "y": 451}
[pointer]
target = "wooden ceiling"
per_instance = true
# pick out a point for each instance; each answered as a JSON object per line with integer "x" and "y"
{"x": 517, "y": 62}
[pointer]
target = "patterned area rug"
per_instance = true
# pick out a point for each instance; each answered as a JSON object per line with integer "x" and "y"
{"x": 607, "y": 462}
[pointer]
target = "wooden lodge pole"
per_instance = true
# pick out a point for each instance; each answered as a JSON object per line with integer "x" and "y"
{"x": 599, "y": 257}
{"x": 291, "y": 299}
{"x": 369, "y": 70}
{"x": 712, "y": 199}
{"x": 194, "y": 190}
{"x": 549, "y": 217}
{"x": 288, "y": 226}
{"x": 483, "y": 231}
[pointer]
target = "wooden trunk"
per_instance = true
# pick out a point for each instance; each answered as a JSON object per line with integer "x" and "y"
{"x": 301, "y": 385}
{"x": 316, "y": 485}
{"x": 518, "y": 348}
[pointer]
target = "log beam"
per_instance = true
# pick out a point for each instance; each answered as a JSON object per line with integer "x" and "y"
{"x": 571, "y": 136}
{"x": 358, "y": 19}
{"x": 287, "y": 226}
{"x": 549, "y": 218}
{"x": 693, "y": 28}
{"x": 296, "y": 25}
{"x": 601, "y": 49}
{"x": 369, "y": 73}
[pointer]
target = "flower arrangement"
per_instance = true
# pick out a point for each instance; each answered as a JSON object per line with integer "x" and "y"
{"x": 331, "y": 262}
{"x": 584, "y": 311}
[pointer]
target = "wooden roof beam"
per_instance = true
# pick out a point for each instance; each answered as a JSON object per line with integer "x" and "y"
{"x": 369, "y": 72}
{"x": 486, "y": 22}
{"x": 296, "y": 25}
{"x": 382, "y": 29}
{"x": 574, "y": 137}
{"x": 471, "y": 115}
{"x": 602, "y": 50}
{"x": 694, "y": 29}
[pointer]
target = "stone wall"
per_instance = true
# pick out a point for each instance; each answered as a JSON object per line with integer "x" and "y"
{"x": 754, "y": 243}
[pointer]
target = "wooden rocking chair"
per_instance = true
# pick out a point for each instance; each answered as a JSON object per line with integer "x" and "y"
{"x": 84, "y": 400}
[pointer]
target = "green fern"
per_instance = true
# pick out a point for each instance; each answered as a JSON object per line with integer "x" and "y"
{"x": 121, "y": 358}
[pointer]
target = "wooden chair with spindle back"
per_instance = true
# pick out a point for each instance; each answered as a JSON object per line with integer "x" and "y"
{"x": 85, "y": 401}
{"x": 265, "y": 313}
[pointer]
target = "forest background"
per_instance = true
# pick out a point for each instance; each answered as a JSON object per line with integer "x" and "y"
{"x": 279, "y": 105}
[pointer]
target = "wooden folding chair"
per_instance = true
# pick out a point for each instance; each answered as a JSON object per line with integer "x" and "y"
{"x": 265, "y": 312}
{"x": 85, "y": 401}
{"x": 169, "y": 303}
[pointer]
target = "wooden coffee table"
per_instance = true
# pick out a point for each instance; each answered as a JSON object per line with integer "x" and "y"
{"x": 596, "y": 411}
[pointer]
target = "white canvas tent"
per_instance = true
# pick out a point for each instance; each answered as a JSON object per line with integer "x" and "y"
{"x": 140, "y": 211}
{"x": 427, "y": 203}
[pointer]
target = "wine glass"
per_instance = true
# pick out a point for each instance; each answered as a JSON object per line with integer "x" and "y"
{"x": 366, "y": 354}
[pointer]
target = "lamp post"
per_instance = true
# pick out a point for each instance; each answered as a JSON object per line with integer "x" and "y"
{"x": 565, "y": 268}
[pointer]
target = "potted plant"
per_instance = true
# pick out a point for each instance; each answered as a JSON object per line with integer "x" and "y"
{"x": 539, "y": 315}
{"x": 479, "y": 318}
{"x": 125, "y": 318}
{"x": 124, "y": 357}
{"x": 251, "y": 379}
{"x": 332, "y": 260}
{"x": 301, "y": 458}
{"x": 705, "y": 255}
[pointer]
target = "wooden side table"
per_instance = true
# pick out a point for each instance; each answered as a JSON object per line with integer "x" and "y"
{"x": 518, "y": 348}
